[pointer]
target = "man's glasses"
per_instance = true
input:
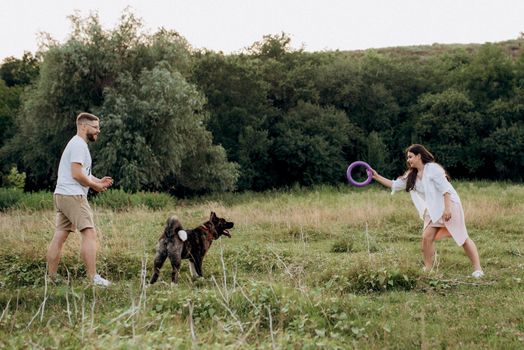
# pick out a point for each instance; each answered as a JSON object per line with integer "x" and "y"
{"x": 94, "y": 127}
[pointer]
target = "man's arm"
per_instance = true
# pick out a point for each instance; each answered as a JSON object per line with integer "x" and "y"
{"x": 84, "y": 180}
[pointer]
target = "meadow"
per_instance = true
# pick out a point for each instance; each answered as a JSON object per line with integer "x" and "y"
{"x": 306, "y": 268}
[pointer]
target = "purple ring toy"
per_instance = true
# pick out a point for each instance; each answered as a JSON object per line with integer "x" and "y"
{"x": 368, "y": 170}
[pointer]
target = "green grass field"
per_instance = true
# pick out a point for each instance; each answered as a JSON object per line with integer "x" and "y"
{"x": 305, "y": 269}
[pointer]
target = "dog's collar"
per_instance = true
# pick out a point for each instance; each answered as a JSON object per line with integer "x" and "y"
{"x": 208, "y": 232}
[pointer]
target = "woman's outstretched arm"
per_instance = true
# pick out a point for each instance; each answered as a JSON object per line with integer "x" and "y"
{"x": 381, "y": 179}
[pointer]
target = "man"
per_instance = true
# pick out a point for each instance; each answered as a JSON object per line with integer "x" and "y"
{"x": 70, "y": 198}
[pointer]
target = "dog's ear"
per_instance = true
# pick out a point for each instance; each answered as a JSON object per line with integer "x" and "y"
{"x": 212, "y": 216}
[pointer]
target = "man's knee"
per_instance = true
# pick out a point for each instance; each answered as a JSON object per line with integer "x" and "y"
{"x": 54, "y": 249}
{"x": 59, "y": 238}
{"x": 88, "y": 233}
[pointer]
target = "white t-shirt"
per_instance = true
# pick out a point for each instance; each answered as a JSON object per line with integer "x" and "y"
{"x": 76, "y": 151}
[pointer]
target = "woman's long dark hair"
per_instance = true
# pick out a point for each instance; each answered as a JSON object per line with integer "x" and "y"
{"x": 425, "y": 156}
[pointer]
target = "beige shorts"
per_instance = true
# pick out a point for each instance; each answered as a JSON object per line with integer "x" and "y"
{"x": 72, "y": 212}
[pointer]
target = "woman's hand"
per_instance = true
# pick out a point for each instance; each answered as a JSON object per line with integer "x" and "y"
{"x": 447, "y": 204}
{"x": 373, "y": 173}
{"x": 377, "y": 177}
{"x": 447, "y": 214}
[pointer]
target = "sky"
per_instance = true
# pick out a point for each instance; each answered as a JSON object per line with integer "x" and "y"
{"x": 315, "y": 25}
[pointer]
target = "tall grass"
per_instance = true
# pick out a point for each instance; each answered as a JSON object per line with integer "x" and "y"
{"x": 327, "y": 267}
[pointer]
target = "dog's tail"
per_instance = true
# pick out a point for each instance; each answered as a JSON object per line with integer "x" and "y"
{"x": 172, "y": 227}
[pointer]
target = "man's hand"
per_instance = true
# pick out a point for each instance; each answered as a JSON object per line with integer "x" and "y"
{"x": 98, "y": 186}
{"x": 106, "y": 181}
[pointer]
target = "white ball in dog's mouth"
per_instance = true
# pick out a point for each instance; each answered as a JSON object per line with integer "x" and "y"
{"x": 182, "y": 235}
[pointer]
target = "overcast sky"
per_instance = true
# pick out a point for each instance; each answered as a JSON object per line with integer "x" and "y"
{"x": 231, "y": 25}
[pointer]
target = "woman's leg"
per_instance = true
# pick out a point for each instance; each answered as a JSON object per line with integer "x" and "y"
{"x": 428, "y": 236}
{"x": 471, "y": 251}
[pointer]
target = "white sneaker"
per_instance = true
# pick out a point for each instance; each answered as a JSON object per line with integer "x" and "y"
{"x": 478, "y": 274}
{"x": 100, "y": 281}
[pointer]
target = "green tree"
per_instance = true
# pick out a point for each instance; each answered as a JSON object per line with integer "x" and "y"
{"x": 489, "y": 76}
{"x": 506, "y": 147}
{"x": 153, "y": 130}
{"x": 272, "y": 46}
{"x": 238, "y": 112}
{"x": 254, "y": 157}
{"x": 9, "y": 104}
{"x": 377, "y": 153}
{"x": 308, "y": 148}
{"x": 95, "y": 71}
{"x": 339, "y": 82}
{"x": 15, "y": 179}
{"x": 236, "y": 97}
{"x": 286, "y": 70}
{"x": 446, "y": 70}
{"x": 15, "y": 71}
{"x": 449, "y": 125}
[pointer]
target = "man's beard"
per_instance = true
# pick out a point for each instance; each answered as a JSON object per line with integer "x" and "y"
{"x": 91, "y": 137}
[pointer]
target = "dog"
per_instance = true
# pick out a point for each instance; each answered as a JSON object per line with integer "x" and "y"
{"x": 194, "y": 248}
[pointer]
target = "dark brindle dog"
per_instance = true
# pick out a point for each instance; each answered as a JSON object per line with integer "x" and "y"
{"x": 194, "y": 248}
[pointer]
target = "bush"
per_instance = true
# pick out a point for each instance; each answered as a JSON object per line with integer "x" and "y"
{"x": 36, "y": 201}
{"x": 121, "y": 200}
{"x": 342, "y": 246}
{"x": 352, "y": 244}
{"x": 20, "y": 270}
{"x": 113, "y": 199}
{"x": 365, "y": 279}
{"x": 15, "y": 179}
{"x": 9, "y": 197}
{"x": 152, "y": 200}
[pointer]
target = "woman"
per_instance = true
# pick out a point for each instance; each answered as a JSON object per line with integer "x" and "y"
{"x": 437, "y": 203}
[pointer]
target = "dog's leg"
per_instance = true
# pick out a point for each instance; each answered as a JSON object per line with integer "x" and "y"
{"x": 160, "y": 257}
{"x": 198, "y": 266}
{"x": 192, "y": 268}
{"x": 175, "y": 256}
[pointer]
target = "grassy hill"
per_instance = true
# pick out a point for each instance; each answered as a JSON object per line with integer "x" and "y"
{"x": 305, "y": 269}
{"x": 512, "y": 47}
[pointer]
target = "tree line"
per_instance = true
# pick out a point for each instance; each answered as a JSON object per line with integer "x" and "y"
{"x": 191, "y": 121}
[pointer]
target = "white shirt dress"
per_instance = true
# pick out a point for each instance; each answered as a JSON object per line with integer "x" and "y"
{"x": 428, "y": 197}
